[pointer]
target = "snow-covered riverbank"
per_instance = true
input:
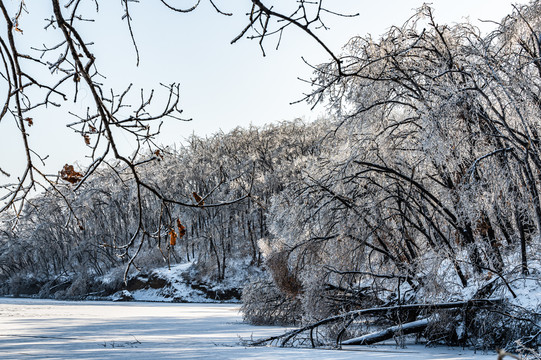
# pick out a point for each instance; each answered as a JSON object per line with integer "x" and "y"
{"x": 47, "y": 329}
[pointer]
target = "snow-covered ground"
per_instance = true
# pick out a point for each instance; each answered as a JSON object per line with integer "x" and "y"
{"x": 47, "y": 329}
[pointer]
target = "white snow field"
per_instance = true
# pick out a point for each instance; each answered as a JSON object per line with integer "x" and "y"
{"x": 48, "y": 329}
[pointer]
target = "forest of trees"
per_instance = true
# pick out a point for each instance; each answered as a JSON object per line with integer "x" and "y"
{"x": 49, "y": 240}
{"x": 421, "y": 186}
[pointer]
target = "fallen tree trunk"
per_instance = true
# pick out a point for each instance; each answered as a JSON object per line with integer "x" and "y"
{"x": 403, "y": 329}
{"x": 352, "y": 315}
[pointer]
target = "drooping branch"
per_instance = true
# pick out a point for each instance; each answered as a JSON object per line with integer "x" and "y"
{"x": 286, "y": 337}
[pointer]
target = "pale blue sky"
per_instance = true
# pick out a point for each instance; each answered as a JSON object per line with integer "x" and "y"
{"x": 222, "y": 85}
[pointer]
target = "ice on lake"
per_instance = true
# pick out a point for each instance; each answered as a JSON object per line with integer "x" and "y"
{"x": 48, "y": 329}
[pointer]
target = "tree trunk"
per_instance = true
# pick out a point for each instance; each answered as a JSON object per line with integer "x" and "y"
{"x": 398, "y": 330}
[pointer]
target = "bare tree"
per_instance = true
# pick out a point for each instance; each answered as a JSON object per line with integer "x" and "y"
{"x": 68, "y": 66}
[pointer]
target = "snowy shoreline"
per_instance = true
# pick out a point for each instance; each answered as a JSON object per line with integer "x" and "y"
{"x": 36, "y": 328}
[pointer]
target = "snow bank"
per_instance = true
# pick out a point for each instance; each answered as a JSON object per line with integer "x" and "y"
{"x": 177, "y": 284}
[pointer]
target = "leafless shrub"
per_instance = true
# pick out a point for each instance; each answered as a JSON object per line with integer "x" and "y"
{"x": 80, "y": 286}
{"x": 284, "y": 278}
{"x": 264, "y": 304}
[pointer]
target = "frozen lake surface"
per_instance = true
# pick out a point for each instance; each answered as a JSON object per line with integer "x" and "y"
{"x": 48, "y": 329}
